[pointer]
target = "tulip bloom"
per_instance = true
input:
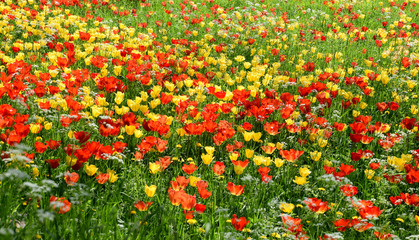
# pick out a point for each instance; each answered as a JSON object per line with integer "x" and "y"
{"x": 53, "y": 163}
{"x": 315, "y": 156}
{"x": 218, "y": 168}
{"x": 235, "y": 190}
{"x": 142, "y": 206}
{"x": 239, "y": 166}
{"x": 180, "y": 183}
{"x": 300, "y": 180}
{"x": 90, "y": 170}
{"x": 239, "y": 223}
{"x": 150, "y": 190}
{"x": 189, "y": 169}
{"x": 102, "y": 178}
{"x": 207, "y": 158}
{"x": 202, "y": 189}
{"x": 200, "y": 208}
{"x": 316, "y": 205}
{"x": 112, "y": 176}
{"x": 369, "y": 212}
{"x": 349, "y": 190}
{"x": 63, "y": 204}
{"x": 292, "y": 224}
{"x": 291, "y": 155}
{"x": 71, "y": 178}
{"x": 286, "y": 207}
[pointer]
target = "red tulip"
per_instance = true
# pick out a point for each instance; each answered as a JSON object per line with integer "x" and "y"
{"x": 239, "y": 223}
{"x": 235, "y": 190}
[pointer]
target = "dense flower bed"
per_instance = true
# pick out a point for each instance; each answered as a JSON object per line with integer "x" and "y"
{"x": 209, "y": 119}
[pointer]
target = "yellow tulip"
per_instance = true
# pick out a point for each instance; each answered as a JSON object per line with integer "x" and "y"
{"x": 155, "y": 91}
{"x": 119, "y": 97}
{"x": 239, "y": 58}
{"x": 138, "y": 133}
{"x": 96, "y": 111}
{"x": 103, "y": 71}
{"x": 35, "y": 172}
{"x": 300, "y": 180}
{"x": 112, "y": 176}
{"x": 193, "y": 180}
{"x": 258, "y": 160}
{"x": 396, "y": 162}
{"x": 279, "y": 145}
{"x": 47, "y": 125}
{"x": 154, "y": 168}
{"x": 304, "y": 172}
{"x": 363, "y": 105}
{"x": 411, "y": 84}
{"x": 207, "y": 158}
{"x": 170, "y": 86}
{"x": 210, "y": 150}
{"x": 53, "y": 73}
{"x": 133, "y": 105}
{"x": 155, "y": 103}
{"x": 233, "y": 156}
{"x": 286, "y": 207}
{"x": 71, "y": 161}
{"x": 289, "y": 121}
{"x": 35, "y": 128}
{"x": 102, "y": 101}
{"x": 369, "y": 173}
{"x": 118, "y": 110}
{"x": 125, "y": 109}
{"x": 143, "y": 108}
{"x": 322, "y": 142}
{"x": 238, "y": 169}
{"x": 247, "y": 136}
{"x": 191, "y": 221}
{"x": 257, "y": 136}
{"x": 315, "y": 156}
{"x": 150, "y": 190}
{"x": 414, "y": 109}
{"x": 181, "y": 132}
{"x": 247, "y": 65}
{"x": 40, "y": 119}
{"x": 130, "y": 130}
{"x": 70, "y": 134}
{"x": 188, "y": 82}
{"x": 249, "y": 153}
{"x": 90, "y": 170}
{"x": 279, "y": 162}
{"x": 328, "y": 163}
{"x": 117, "y": 70}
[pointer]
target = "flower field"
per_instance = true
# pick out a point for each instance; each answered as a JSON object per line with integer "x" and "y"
{"x": 209, "y": 119}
